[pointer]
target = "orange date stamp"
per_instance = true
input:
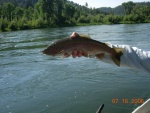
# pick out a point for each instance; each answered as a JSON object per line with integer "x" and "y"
{"x": 128, "y": 101}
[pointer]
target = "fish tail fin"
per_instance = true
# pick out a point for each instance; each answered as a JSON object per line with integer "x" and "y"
{"x": 116, "y": 58}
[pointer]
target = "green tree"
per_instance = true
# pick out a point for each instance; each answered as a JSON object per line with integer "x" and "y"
{"x": 142, "y": 12}
{"x": 13, "y": 25}
{"x": 99, "y": 18}
{"x": 83, "y": 19}
{"x": 77, "y": 13}
{"x": 128, "y": 7}
{"x": 47, "y": 7}
{"x": 69, "y": 10}
{"x": 8, "y": 11}
{"x": 95, "y": 11}
{"x": 38, "y": 12}
{"x": 86, "y": 5}
{"x": 18, "y": 13}
{"x": 1, "y": 11}
{"x": 59, "y": 6}
{"x": 3, "y": 24}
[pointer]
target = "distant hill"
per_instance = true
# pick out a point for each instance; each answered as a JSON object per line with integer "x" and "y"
{"x": 119, "y": 10}
{"x": 144, "y": 3}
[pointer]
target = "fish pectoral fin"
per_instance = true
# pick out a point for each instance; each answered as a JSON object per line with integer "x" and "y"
{"x": 117, "y": 57}
{"x": 85, "y": 54}
{"x": 100, "y": 56}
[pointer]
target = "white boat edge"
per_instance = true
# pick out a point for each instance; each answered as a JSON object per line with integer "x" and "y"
{"x": 144, "y": 108}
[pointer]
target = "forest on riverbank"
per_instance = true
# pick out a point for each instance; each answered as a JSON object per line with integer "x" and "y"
{"x": 17, "y": 15}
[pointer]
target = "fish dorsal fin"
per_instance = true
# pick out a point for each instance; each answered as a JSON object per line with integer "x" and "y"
{"x": 119, "y": 50}
{"x": 84, "y": 36}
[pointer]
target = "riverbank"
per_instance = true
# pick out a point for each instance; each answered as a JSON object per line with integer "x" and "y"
{"x": 67, "y": 25}
{"x": 45, "y": 14}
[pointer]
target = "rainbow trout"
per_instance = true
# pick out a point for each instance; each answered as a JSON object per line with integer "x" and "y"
{"x": 88, "y": 46}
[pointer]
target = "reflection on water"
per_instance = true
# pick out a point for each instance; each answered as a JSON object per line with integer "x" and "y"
{"x": 31, "y": 82}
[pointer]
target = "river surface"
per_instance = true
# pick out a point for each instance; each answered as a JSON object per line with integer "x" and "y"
{"x": 31, "y": 82}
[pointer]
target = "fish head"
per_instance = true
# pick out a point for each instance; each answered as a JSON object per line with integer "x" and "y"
{"x": 53, "y": 50}
{"x": 57, "y": 48}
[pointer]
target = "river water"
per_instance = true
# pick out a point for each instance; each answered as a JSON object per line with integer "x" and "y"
{"x": 31, "y": 82}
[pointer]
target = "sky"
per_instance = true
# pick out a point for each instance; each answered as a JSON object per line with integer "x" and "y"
{"x": 104, "y": 3}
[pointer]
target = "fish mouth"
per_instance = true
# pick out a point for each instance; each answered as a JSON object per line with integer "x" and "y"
{"x": 45, "y": 52}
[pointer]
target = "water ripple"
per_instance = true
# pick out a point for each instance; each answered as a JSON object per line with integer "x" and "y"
{"x": 64, "y": 84}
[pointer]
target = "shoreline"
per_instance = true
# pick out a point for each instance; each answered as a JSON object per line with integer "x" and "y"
{"x": 78, "y": 24}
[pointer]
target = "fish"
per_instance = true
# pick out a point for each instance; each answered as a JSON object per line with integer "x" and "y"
{"x": 89, "y": 47}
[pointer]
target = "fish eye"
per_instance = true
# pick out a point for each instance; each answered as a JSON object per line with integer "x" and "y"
{"x": 52, "y": 42}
